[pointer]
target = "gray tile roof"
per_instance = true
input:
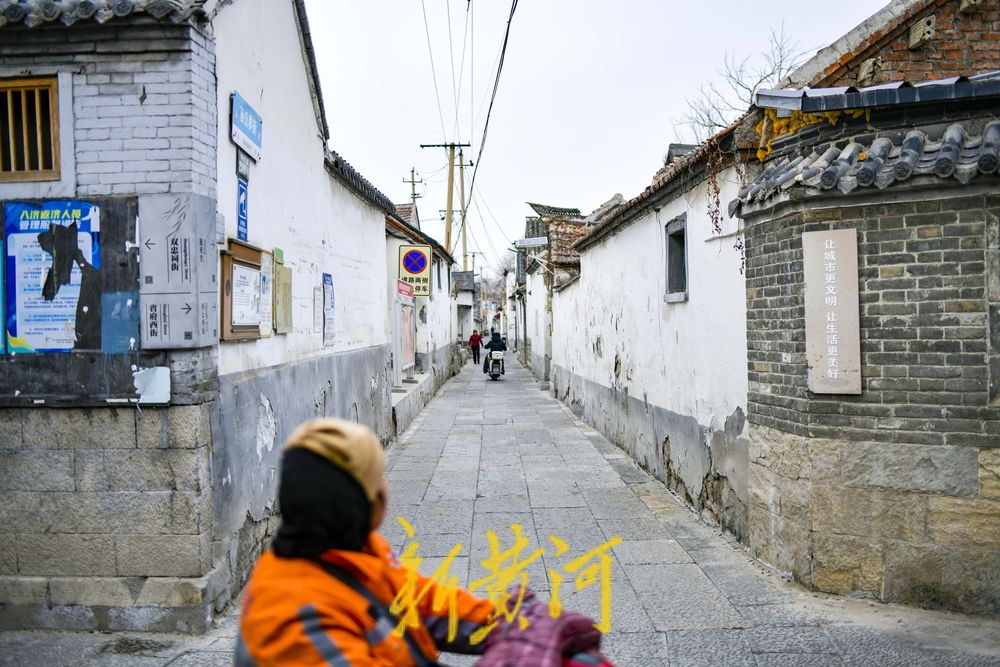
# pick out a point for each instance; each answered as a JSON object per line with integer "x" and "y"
{"x": 880, "y": 161}
{"x": 811, "y": 100}
{"x": 354, "y": 181}
{"x": 33, "y": 13}
{"x": 547, "y": 211}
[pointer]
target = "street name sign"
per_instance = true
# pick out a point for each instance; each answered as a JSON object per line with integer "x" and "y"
{"x": 246, "y": 126}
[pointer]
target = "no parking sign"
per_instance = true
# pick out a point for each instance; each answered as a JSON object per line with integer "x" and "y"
{"x": 415, "y": 268}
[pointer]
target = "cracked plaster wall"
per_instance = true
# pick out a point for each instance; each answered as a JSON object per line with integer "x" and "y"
{"x": 665, "y": 381}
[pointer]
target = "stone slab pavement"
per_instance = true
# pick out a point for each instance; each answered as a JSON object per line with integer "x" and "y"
{"x": 484, "y": 455}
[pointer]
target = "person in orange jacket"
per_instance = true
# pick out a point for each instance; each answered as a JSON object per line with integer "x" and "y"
{"x": 322, "y": 594}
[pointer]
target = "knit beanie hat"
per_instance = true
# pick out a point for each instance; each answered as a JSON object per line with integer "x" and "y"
{"x": 354, "y": 448}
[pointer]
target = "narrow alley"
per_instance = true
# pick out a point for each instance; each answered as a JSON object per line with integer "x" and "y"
{"x": 487, "y": 455}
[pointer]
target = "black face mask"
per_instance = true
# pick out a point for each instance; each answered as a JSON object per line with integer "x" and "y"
{"x": 322, "y": 507}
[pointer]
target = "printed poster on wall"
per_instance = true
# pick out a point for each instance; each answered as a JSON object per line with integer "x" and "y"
{"x": 52, "y": 276}
{"x": 266, "y": 294}
{"x": 246, "y": 296}
{"x": 329, "y": 305}
{"x": 317, "y": 309}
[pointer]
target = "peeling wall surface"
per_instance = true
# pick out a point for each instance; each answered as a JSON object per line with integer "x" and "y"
{"x": 255, "y": 414}
{"x": 293, "y": 201}
{"x": 665, "y": 381}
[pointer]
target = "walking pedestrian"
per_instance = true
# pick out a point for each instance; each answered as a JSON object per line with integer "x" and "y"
{"x": 475, "y": 342}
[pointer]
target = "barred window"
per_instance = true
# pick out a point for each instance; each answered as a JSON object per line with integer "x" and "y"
{"x": 29, "y": 130}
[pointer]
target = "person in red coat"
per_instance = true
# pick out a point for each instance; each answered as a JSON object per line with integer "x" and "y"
{"x": 475, "y": 342}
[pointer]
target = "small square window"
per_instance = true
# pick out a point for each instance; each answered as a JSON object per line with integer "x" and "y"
{"x": 676, "y": 240}
{"x": 29, "y": 130}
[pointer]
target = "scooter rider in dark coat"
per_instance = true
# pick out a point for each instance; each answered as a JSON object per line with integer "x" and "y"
{"x": 495, "y": 344}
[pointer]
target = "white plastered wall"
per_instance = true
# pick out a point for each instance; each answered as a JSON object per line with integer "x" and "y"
{"x": 689, "y": 358}
{"x": 293, "y": 201}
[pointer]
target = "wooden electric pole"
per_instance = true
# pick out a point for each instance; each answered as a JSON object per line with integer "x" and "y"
{"x": 465, "y": 234}
{"x": 413, "y": 185}
{"x": 451, "y": 186}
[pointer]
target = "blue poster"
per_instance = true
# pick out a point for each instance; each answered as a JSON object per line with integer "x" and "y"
{"x": 242, "y": 204}
{"x": 52, "y": 276}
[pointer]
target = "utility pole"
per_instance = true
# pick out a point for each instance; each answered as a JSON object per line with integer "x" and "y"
{"x": 413, "y": 185}
{"x": 451, "y": 185}
{"x": 465, "y": 239}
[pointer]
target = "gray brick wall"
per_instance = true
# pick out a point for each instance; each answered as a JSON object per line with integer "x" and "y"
{"x": 925, "y": 325}
{"x": 144, "y": 109}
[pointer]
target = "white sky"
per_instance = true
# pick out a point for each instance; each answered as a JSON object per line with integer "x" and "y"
{"x": 590, "y": 95}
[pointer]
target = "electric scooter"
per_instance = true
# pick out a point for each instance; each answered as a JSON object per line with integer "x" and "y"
{"x": 496, "y": 364}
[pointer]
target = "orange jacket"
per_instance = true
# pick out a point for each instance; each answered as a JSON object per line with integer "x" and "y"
{"x": 296, "y": 613}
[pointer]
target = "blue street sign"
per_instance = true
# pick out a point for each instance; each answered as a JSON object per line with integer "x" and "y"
{"x": 242, "y": 197}
{"x": 247, "y": 127}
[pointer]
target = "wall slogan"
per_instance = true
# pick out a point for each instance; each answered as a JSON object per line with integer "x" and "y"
{"x": 833, "y": 336}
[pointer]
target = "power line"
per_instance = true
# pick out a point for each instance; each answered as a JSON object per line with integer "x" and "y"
{"x": 496, "y": 85}
{"x": 430, "y": 52}
{"x": 461, "y": 70}
{"x": 451, "y": 57}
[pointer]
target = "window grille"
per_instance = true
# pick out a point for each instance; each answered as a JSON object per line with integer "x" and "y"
{"x": 29, "y": 130}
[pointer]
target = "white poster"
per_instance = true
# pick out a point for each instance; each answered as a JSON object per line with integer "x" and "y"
{"x": 246, "y": 296}
{"x": 317, "y": 309}
{"x": 329, "y": 311}
{"x": 266, "y": 294}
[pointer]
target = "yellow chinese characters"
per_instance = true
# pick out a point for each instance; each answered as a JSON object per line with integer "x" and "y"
{"x": 506, "y": 580}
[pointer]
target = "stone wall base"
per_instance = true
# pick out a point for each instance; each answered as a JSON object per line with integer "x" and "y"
{"x": 706, "y": 466}
{"x": 913, "y": 524}
{"x": 108, "y": 604}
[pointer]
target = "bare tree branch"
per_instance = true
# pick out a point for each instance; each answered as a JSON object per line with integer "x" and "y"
{"x": 717, "y": 105}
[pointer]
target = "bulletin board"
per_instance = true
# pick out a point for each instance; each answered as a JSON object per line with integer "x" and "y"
{"x": 242, "y": 294}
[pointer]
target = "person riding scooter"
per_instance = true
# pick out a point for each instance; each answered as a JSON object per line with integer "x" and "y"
{"x": 495, "y": 344}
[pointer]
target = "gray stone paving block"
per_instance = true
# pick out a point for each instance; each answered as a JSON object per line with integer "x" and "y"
{"x": 744, "y": 587}
{"x": 620, "y": 495}
{"x": 443, "y": 517}
{"x": 530, "y": 447}
{"x": 459, "y": 568}
{"x": 32, "y": 648}
{"x": 864, "y": 646}
{"x": 203, "y": 659}
{"x": 648, "y": 649}
{"x": 439, "y": 545}
{"x": 639, "y": 552}
{"x": 570, "y": 524}
{"x": 633, "y": 529}
{"x": 543, "y": 497}
{"x": 709, "y": 648}
{"x": 680, "y": 596}
{"x": 500, "y": 504}
{"x": 798, "y": 660}
{"x": 780, "y": 615}
{"x": 599, "y": 481}
{"x": 442, "y": 491}
{"x": 805, "y": 639}
{"x": 627, "y": 612}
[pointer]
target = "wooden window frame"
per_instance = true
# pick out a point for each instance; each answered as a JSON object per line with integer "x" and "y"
{"x": 676, "y": 260}
{"x": 52, "y": 84}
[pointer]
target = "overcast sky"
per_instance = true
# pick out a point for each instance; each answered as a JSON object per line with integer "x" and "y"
{"x": 591, "y": 93}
